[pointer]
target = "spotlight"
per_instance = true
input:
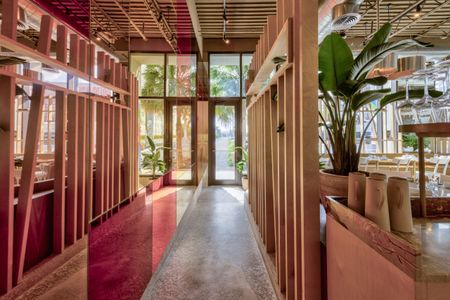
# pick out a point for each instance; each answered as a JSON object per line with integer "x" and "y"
{"x": 227, "y": 41}
{"x": 418, "y": 12}
{"x": 97, "y": 38}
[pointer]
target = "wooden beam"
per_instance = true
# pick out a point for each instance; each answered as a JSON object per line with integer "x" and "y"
{"x": 72, "y": 169}
{"x": 8, "y": 88}
{"x": 23, "y": 210}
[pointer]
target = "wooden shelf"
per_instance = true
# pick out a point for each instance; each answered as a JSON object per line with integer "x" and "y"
{"x": 25, "y": 51}
{"x": 280, "y": 47}
{"x": 427, "y": 130}
{"x": 271, "y": 82}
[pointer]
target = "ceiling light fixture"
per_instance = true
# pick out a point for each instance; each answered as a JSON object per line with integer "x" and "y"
{"x": 225, "y": 22}
{"x": 418, "y": 12}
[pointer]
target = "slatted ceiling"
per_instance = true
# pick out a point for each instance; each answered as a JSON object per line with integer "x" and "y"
{"x": 432, "y": 26}
{"x": 246, "y": 17}
{"x": 107, "y": 13}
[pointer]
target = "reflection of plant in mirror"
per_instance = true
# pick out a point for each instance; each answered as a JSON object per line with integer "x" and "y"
{"x": 152, "y": 158}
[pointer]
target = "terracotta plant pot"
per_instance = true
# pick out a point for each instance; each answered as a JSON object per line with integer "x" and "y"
{"x": 244, "y": 180}
{"x": 333, "y": 185}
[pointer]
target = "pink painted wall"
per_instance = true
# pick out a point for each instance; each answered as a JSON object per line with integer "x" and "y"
{"x": 355, "y": 271}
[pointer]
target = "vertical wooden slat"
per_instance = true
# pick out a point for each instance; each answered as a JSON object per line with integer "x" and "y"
{"x": 289, "y": 184}
{"x": 126, "y": 152}
{"x": 112, "y": 71}
{"x": 44, "y": 38}
{"x": 99, "y": 160}
{"x": 89, "y": 164}
{"x": 8, "y": 88}
{"x": 23, "y": 210}
{"x": 270, "y": 230}
{"x": 111, "y": 157}
{"x": 274, "y": 158}
{"x": 83, "y": 67}
{"x": 117, "y": 74}
{"x": 81, "y": 165}
{"x": 117, "y": 156}
{"x": 59, "y": 198}
{"x": 281, "y": 189}
{"x": 107, "y": 151}
{"x": 101, "y": 65}
{"x": 91, "y": 61}
{"x": 72, "y": 169}
{"x": 74, "y": 52}
{"x": 24, "y": 204}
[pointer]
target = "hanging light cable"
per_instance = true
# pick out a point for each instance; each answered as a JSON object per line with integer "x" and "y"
{"x": 225, "y": 22}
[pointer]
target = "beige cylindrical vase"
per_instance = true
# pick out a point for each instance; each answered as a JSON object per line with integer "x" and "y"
{"x": 356, "y": 191}
{"x": 399, "y": 204}
{"x": 376, "y": 206}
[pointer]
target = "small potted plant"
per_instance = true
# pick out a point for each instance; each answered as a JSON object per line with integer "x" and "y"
{"x": 241, "y": 167}
{"x": 152, "y": 158}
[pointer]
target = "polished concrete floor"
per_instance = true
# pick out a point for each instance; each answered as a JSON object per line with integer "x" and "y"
{"x": 215, "y": 255}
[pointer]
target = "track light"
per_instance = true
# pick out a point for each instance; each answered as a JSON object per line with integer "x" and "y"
{"x": 418, "y": 12}
{"x": 225, "y": 39}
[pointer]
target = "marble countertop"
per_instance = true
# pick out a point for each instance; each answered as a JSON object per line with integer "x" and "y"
{"x": 432, "y": 237}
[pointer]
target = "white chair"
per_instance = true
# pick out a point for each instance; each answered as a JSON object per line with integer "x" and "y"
{"x": 363, "y": 163}
{"x": 403, "y": 174}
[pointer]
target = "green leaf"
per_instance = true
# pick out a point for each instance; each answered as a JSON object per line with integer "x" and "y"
{"x": 151, "y": 143}
{"x": 350, "y": 87}
{"x": 361, "y": 99}
{"x": 379, "y": 38}
{"x": 416, "y": 93}
{"x": 335, "y": 62}
{"x": 369, "y": 59}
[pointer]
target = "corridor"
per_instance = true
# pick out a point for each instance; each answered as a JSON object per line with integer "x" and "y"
{"x": 215, "y": 255}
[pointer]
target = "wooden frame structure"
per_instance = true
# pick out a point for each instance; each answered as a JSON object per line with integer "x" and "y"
{"x": 101, "y": 135}
{"x": 283, "y": 172}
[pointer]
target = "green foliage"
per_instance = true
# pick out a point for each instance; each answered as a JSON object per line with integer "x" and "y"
{"x": 410, "y": 140}
{"x": 153, "y": 81}
{"x": 224, "y": 81}
{"x": 241, "y": 165}
{"x": 152, "y": 157}
{"x": 342, "y": 81}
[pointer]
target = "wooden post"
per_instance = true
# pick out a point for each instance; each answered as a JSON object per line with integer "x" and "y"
{"x": 74, "y": 59}
{"x": 8, "y": 88}
{"x": 72, "y": 168}
{"x": 126, "y": 152}
{"x": 59, "y": 197}
{"x": 23, "y": 210}
{"x": 106, "y": 166}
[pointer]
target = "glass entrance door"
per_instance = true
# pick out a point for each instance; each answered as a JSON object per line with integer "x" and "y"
{"x": 180, "y": 142}
{"x": 225, "y": 136}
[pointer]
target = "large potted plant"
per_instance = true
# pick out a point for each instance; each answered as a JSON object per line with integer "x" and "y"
{"x": 343, "y": 83}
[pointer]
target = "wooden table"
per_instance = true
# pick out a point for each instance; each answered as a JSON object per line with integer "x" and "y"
{"x": 422, "y": 131}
